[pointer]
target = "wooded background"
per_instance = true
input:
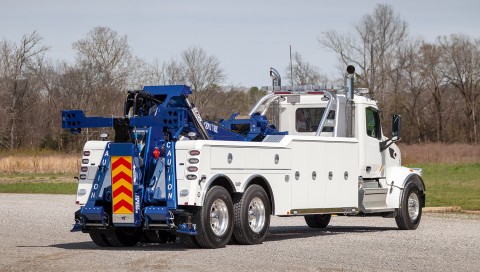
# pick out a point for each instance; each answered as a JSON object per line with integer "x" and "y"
{"x": 435, "y": 86}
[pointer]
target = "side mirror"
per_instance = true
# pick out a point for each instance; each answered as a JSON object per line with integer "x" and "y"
{"x": 396, "y": 125}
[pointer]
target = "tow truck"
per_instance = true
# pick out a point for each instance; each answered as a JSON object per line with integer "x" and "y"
{"x": 303, "y": 151}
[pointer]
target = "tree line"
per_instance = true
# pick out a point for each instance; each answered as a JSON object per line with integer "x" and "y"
{"x": 435, "y": 86}
{"x": 34, "y": 89}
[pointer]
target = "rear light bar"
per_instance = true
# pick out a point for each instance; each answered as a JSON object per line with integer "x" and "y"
{"x": 297, "y": 92}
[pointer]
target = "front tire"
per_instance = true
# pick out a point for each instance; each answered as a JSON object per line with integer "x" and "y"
{"x": 410, "y": 211}
{"x": 318, "y": 221}
{"x": 252, "y": 216}
{"x": 215, "y": 219}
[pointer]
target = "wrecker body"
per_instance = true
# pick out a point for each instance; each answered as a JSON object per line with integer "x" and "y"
{"x": 168, "y": 173}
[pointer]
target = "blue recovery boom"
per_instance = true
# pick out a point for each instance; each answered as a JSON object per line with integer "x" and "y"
{"x": 135, "y": 185}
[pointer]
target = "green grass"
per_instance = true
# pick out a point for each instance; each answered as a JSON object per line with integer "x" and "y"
{"x": 39, "y": 188}
{"x": 452, "y": 185}
{"x": 37, "y": 183}
{"x": 447, "y": 184}
{"x": 39, "y": 177}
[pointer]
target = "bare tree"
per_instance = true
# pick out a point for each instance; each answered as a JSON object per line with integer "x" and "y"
{"x": 174, "y": 72}
{"x": 461, "y": 59}
{"x": 106, "y": 54}
{"x": 370, "y": 49}
{"x": 103, "y": 69}
{"x": 18, "y": 86}
{"x": 409, "y": 92}
{"x": 165, "y": 73}
{"x": 430, "y": 65}
{"x": 202, "y": 73}
{"x": 304, "y": 73}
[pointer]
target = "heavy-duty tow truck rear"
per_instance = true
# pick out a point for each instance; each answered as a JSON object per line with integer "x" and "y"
{"x": 170, "y": 174}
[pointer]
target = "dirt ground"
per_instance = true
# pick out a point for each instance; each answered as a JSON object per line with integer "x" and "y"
{"x": 35, "y": 236}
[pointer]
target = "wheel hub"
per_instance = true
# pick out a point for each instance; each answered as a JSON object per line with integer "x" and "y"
{"x": 413, "y": 206}
{"x": 219, "y": 217}
{"x": 256, "y": 215}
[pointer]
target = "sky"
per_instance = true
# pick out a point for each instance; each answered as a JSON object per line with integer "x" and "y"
{"x": 248, "y": 37}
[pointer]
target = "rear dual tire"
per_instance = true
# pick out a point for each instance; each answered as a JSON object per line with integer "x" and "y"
{"x": 214, "y": 220}
{"x": 120, "y": 237}
{"x": 252, "y": 216}
{"x": 245, "y": 220}
{"x": 99, "y": 239}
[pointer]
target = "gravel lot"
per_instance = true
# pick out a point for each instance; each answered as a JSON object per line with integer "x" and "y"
{"x": 34, "y": 236}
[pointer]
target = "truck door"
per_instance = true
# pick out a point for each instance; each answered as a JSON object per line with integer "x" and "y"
{"x": 301, "y": 174}
{"x": 373, "y": 157}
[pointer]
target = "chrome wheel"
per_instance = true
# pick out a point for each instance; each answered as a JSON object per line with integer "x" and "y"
{"x": 219, "y": 217}
{"x": 413, "y": 206}
{"x": 409, "y": 212}
{"x": 252, "y": 215}
{"x": 256, "y": 214}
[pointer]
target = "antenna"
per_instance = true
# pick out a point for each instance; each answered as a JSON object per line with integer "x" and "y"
{"x": 291, "y": 66}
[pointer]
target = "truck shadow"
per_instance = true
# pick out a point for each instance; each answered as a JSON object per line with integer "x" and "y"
{"x": 274, "y": 234}
{"x": 89, "y": 245}
{"x": 297, "y": 232}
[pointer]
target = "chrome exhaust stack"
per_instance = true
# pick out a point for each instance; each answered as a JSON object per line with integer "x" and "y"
{"x": 276, "y": 78}
{"x": 350, "y": 106}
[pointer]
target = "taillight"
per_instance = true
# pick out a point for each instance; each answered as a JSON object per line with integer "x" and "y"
{"x": 194, "y": 152}
{"x": 191, "y": 177}
{"x": 84, "y": 169}
{"x": 192, "y": 169}
{"x": 193, "y": 160}
{"x": 83, "y": 176}
{"x": 85, "y": 161}
{"x": 86, "y": 153}
{"x": 156, "y": 153}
